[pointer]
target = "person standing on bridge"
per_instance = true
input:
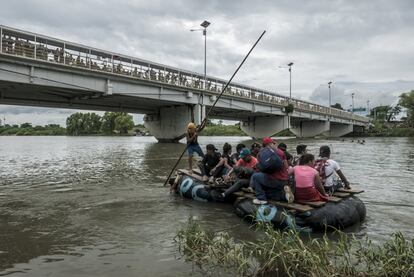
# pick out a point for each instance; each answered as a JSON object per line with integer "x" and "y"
{"x": 192, "y": 144}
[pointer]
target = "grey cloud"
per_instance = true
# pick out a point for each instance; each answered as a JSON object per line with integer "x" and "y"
{"x": 385, "y": 93}
{"x": 345, "y": 41}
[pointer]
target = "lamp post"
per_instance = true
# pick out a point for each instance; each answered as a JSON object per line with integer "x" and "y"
{"x": 290, "y": 79}
{"x": 329, "y": 86}
{"x": 368, "y": 112}
{"x": 204, "y": 24}
{"x": 353, "y": 94}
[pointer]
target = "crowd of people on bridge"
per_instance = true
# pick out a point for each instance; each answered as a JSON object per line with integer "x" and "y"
{"x": 269, "y": 170}
{"x": 15, "y": 44}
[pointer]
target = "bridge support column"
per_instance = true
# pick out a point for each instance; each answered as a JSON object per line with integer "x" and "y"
{"x": 260, "y": 127}
{"x": 308, "y": 129}
{"x": 339, "y": 130}
{"x": 170, "y": 123}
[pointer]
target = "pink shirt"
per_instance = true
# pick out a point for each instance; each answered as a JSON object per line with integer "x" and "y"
{"x": 304, "y": 176}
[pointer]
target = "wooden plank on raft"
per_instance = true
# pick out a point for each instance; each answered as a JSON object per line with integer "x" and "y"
{"x": 186, "y": 172}
{"x": 352, "y": 190}
{"x": 293, "y": 206}
{"x": 334, "y": 199}
{"x": 197, "y": 171}
{"x": 342, "y": 194}
{"x": 315, "y": 204}
{"x": 243, "y": 194}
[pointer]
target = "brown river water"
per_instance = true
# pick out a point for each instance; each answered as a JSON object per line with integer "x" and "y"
{"x": 95, "y": 206}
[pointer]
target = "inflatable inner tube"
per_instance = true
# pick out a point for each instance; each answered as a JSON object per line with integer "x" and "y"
{"x": 339, "y": 215}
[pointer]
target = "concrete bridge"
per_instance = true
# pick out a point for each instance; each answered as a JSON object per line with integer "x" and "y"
{"x": 37, "y": 70}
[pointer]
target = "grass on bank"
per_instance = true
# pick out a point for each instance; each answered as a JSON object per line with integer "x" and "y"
{"x": 286, "y": 253}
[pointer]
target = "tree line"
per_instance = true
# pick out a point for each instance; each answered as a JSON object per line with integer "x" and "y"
{"x": 387, "y": 113}
{"x": 91, "y": 123}
{"x": 26, "y": 129}
{"x": 77, "y": 124}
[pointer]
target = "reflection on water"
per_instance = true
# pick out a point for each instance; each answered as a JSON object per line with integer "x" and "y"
{"x": 96, "y": 206}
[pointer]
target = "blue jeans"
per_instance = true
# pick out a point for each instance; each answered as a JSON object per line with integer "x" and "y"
{"x": 267, "y": 188}
{"x": 191, "y": 148}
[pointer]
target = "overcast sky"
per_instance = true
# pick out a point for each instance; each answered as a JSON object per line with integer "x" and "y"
{"x": 365, "y": 47}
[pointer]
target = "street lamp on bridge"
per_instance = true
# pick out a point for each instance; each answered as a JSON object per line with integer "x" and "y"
{"x": 329, "y": 86}
{"x": 290, "y": 78}
{"x": 353, "y": 94}
{"x": 204, "y": 24}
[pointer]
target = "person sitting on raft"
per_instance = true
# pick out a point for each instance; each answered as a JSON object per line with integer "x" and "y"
{"x": 300, "y": 150}
{"x": 327, "y": 169}
{"x": 244, "y": 169}
{"x": 192, "y": 144}
{"x": 255, "y": 149}
{"x": 272, "y": 181}
{"x": 208, "y": 165}
{"x": 308, "y": 186}
{"x": 226, "y": 163}
{"x": 236, "y": 156}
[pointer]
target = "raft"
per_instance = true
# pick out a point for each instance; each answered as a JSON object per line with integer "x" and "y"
{"x": 343, "y": 210}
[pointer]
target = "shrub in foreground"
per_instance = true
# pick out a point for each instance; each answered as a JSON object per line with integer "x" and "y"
{"x": 288, "y": 253}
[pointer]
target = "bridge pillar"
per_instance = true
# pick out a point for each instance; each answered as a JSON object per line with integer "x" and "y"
{"x": 169, "y": 123}
{"x": 339, "y": 130}
{"x": 260, "y": 127}
{"x": 307, "y": 129}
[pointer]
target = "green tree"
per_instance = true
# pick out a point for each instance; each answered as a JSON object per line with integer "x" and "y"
{"x": 385, "y": 113}
{"x": 337, "y": 106}
{"x": 393, "y": 112}
{"x": 407, "y": 101}
{"x": 26, "y": 125}
{"x": 124, "y": 123}
{"x": 74, "y": 124}
{"x": 108, "y": 122}
{"x": 92, "y": 123}
{"x": 83, "y": 124}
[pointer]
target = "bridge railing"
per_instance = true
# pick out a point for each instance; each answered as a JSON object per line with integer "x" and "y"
{"x": 40, "y": 47}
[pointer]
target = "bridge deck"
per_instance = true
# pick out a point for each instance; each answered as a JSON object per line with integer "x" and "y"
{"x": 15, "y": 42}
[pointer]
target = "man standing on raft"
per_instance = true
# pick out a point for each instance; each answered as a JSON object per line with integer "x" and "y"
{"x": 192, "y": 144}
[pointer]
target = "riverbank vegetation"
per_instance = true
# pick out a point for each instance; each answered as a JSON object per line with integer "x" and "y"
{"x": 26, "y": 129}
{"x": 120, "y": 123}
{"x": 383, "y": 119}
{"x": 288, "y": 253}
{"x": 92, "y": 124}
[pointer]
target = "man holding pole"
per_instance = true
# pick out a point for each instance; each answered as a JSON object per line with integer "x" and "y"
{"x": 192, "y": 144}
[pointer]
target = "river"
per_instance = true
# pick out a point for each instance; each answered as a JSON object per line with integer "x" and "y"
{"x": 95, "y": 206}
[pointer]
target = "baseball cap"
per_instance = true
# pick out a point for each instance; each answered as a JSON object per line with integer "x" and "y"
{"x": 267, "y": 141}
{"x": 244, "y": 152}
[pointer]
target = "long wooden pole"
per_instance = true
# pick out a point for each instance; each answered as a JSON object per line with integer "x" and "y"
{"x": 215, "y": 102}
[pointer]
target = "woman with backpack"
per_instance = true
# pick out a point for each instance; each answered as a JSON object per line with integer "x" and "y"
{"x": 308, "y": 186}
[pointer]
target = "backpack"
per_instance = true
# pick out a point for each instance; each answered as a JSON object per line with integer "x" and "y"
{"x": 320, "y": 166}
{"x": 268, "y": 161}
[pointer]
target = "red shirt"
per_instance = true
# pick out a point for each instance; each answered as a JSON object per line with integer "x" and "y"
{"x": 283, "y": 173}
{"x": 252, "y": 164}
